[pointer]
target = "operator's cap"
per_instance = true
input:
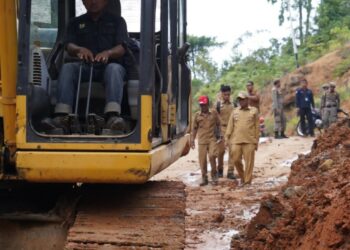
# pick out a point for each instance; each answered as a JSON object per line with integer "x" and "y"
{"x": 332, "y": 84}
{"x": 203, "y": 100}
{"x": 242, "y": 95}
{"x": 325, "y": 86}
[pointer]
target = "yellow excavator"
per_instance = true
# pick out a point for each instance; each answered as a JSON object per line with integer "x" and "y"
{"x": 156, "y": 100}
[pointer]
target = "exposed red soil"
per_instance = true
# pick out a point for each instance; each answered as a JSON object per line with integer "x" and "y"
{"x": 312, "y": 211}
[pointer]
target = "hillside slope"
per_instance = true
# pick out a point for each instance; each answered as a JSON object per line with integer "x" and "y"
{"x": 317, "y": 73}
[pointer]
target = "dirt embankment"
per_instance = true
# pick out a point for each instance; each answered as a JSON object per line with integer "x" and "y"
{"x": 312, "y": 209}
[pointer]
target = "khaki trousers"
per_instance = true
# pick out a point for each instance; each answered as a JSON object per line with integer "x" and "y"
{"x": 209, "y": 150}
{"x": 221, "y": 154}
{"x": 247, "y": 152}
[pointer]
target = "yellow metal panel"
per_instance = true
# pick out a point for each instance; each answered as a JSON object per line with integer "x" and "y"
{"x": 105, "y": 167}
{"x": 83, "y": 167}
{"x": 8, "y": 66}
{"x": 145, "y": 145}
{"x": 172, "y": 114}
{"x": 164, "y": 156}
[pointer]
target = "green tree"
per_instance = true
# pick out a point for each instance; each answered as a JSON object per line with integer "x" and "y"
{"x": 300, "y": 7}
{"x": 202, "y": 65}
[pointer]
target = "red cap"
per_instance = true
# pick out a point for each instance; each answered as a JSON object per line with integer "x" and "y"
{"x": 203, "y": 99}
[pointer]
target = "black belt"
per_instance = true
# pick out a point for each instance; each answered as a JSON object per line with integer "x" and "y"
{"x": 223, "y": 125}
{"x": 331, "y": 106}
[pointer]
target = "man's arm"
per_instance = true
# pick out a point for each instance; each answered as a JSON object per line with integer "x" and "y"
{"x": 257, "y": 129}
{"x": 218, "y": 125}
{"x": 230, "y": 128}
{"x": 255, "y": 97}
{"x": 323, "y": 101}
{"x": 312, "y": 99}
{"x": 80, "y": 52}
{"x": 121, "y": 39}
{"x": 297, "y": 101}
{"x": 194, "y": 131}
{"x": 114, "y": 53}
{"x": 338, "y": 101}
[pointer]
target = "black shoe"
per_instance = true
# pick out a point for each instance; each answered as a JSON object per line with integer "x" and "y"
{"x": 115, "y": 123}
{"x": 220, "y": 174}
{"x": 277, "y": 136}
{"x": 231, "y": 176}
{"x": 59, "y": 122}
{"x": 284, "y": 136}
{"x": 204, "y": 182}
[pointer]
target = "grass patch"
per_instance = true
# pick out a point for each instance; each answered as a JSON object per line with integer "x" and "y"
{"x": 344, "y": 93}
{"x": 291, "y": 125}
{"x": 342, "y": 68}
{"x": 269, "y": 126}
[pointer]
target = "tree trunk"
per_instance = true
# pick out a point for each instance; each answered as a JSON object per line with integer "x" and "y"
{"x": 301, "y": 32}
{"x": 308, "y": 14}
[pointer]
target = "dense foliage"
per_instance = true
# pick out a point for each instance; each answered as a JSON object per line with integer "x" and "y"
{"x": 331, "y": 30}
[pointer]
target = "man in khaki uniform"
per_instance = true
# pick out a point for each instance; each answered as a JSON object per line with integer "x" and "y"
{"x": 224, "y": 109}
{"x": 330, "y": 103}
{"x": 242, "y": 135}
{"x": 253, "y": 96}
{"x": 278, "y": 112}
{"x": 205, "y": 123}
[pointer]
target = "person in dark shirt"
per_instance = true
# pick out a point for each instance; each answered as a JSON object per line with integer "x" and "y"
{"x": 305, "y": 102}
{"x": 95, "y": 37}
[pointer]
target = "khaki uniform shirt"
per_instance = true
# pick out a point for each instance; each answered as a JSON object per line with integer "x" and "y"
{"x": 226, "y": 109}
{"x": 205, "y": 124}
{"x": 254, "y": 103}
{"x": 330, "y": 100}
{"x": 277, "y": 99}
{"x": 243, "y": 126}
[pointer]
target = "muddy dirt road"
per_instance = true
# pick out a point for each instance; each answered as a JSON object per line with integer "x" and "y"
{"x": 215, "y": 213}
{"x": 169, "y": 212}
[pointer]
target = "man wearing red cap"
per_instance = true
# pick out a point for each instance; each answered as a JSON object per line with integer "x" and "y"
{"x": 205, "y": 123}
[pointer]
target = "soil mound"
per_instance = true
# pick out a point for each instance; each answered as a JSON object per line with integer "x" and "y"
{"x": 312, "y": 211}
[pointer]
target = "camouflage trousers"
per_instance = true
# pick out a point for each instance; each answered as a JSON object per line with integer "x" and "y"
{"x": 329, "y": 116}
{"x": 280, "y": 121}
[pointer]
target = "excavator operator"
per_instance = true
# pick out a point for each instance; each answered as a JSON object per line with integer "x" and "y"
{"x": 96, "y": 37}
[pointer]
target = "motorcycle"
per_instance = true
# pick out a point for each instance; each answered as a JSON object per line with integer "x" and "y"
{"x": 317, "y": 119}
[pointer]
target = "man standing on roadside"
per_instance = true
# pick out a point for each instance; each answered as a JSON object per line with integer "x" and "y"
{"x": 253, "y": 96}
{"x": 205, "y": 123}
{"x": 242, "y": 136}
{"x": 330, "y": 103}
{"x": 278, "y": 113}
{"x": 224, "y": 109}
{"x": 305, "y": 102}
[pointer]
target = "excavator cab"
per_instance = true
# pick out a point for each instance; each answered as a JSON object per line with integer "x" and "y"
{"x": 156, "y": 97}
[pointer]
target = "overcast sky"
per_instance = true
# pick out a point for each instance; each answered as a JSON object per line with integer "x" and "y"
{"x": 229, "y": 19}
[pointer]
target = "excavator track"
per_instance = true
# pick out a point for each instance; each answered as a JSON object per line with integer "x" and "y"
{"x": 149, "y": 216}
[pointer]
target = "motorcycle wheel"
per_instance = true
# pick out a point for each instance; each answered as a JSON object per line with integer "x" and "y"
{"x": 299, "y": 130}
